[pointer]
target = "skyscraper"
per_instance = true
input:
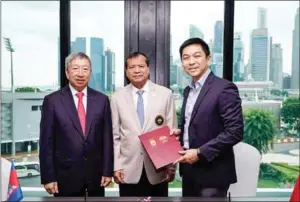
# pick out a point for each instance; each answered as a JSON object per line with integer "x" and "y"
{"x": 97, "y": 80}
{"x": 195, "y": 32}
{"x": 295, "y": 54}
{"x": 79, "y": 45}
{"x": 218, "y": 37}
{"x": 238, "y": 58}
{"x": 276, "y": 73}
{"x": 286, "y": 81}
{"x": 110, "y": 70}
{"x": 261, "y": 18}
{"x": 260, "y": 54}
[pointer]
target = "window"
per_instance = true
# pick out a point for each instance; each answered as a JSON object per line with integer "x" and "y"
{"x": 266, "y": 71}
{"x": 203, "y": 19}
{"x": 97, "y": 29}
{"x": 29, "y": 71}
{"x": 34, "y": 108}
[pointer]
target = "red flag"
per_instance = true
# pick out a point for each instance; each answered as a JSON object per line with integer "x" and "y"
{"x": 296, "y": 192}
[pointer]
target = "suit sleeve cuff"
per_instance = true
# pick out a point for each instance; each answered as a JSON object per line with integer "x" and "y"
{"x": 204, "y": 154}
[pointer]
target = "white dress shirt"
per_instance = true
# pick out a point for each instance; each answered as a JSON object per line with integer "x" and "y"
{"x": 145, "y": 95}
{"x": 84, "y": 98}
{"x": 195, "y": 89}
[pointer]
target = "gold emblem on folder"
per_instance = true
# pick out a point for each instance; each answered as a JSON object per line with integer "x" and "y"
{"x": 163, "y": 139}
{"x": 152, "y": 142}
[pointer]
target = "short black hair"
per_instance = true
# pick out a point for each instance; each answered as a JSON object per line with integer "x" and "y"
{"x": 192, "y": 41}
{"x": 134, "y": 55}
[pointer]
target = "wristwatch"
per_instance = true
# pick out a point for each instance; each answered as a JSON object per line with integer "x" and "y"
{"x": 198, "y": 151}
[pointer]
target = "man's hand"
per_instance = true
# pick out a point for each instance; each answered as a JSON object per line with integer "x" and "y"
{"x": 170, "y": 173}
{"x": 51, "y": 187}
{"x": 119, "y": 176}
{"x": 176, "y": 132}
{"x": 190, "y": 156}
{"x": 105, "y": 181}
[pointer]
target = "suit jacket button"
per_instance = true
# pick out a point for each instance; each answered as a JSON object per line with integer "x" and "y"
{"x": 85, "y": 158}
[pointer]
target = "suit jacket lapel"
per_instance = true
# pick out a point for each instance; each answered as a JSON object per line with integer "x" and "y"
{"x": 130, "y": 104}
{"x": 150, "y": 104}
{"x": 204, "y": 90}
{"x": 68, "y": 103}
{"x": 90, "y": 105}
{"x": 185, "y": 96}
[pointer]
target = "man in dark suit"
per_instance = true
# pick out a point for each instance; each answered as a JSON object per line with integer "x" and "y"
{"x": 76, "y": 143}
{"x": 211, "y": 124}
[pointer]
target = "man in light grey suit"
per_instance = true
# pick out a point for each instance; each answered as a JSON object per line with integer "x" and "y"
{"x": 140, "y": 107}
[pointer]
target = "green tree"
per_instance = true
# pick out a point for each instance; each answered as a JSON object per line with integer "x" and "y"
{"x": 285, "y": 93}
{"x": 259, "y": 129}
{"x": 27, "y": 89}
{"x": 290, "y": 112}
{"x": 276, "y": 92}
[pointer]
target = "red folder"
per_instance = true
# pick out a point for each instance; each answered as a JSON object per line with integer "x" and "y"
{"x": 161, "y": 147}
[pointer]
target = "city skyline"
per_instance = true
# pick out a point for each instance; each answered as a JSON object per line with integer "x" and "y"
{"x": 40, "y": 42}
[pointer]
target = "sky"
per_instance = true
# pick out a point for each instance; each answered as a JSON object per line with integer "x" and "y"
{"x": 33, "y": 28}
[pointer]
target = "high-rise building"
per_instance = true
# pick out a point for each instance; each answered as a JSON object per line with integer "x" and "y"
{"x": 276, "y": 65}
{"x": 286, "y": 81}
{"x": 79, "y": 45}
{"x": 295, "y": 54}
{"x": 260, "y": 54}
{"x": 217, "y": 64}
{"x": 195, "y": 32}
{"x": 218, "y": 37}
{"x": 97, "y": 80}
{"x": 110, "y": 69}
{"x": 261, "y": 18}
{"x": 238, "y": 58}
{"x": 173, "y": 74}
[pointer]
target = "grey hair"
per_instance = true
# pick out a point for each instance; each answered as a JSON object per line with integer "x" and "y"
{"x": 75, "y": 55}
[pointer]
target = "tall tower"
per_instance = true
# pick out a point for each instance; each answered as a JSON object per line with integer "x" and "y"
{"x": 261, "y": 18}
{"x": 260, "y": 54}
{"x": 276, "y": 73}
{"x": 218, "y": 37}
{"x": 295, "y": 54}
{"x": 195, "y": 32}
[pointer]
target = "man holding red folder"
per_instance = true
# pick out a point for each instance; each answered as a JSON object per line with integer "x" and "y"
{"x": 138, "y": 108}
{"x": 211, "y": 124}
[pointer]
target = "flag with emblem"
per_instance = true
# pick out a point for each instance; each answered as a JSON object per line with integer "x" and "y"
{"x": 14, "y": 192}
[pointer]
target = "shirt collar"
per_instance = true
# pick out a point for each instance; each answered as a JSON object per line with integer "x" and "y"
{"x": 74, "y": 91}
{"x": 201, "y": 81}
{"x": 145, "y": 88}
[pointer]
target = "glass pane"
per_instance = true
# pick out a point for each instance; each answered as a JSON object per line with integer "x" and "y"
{"x": 97, "y": 29}
{"x": 29, "y": 71}
{"x": 203, "y": 19}
{"x": 266, "y": 71}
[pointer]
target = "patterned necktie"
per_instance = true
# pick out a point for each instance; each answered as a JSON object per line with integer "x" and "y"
{"x": 80, "y": 111}
{"x": 140, "y": 107}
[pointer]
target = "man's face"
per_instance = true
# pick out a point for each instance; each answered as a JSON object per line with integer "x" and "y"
{"x": 137, "y": 70}
{"x": 78, "y": 73}
{"x": 194, "y": 60}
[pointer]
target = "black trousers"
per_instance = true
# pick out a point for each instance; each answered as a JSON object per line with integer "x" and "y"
{"x": 143, "y": 188}
{"x": 94, "y": 192}
{"x": 191, "y": 188}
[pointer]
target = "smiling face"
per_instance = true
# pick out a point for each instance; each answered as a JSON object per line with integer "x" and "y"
{"x": 195, "y": 61}
{"x": 78, "y": 73}
{"x": 137, "y": 71}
